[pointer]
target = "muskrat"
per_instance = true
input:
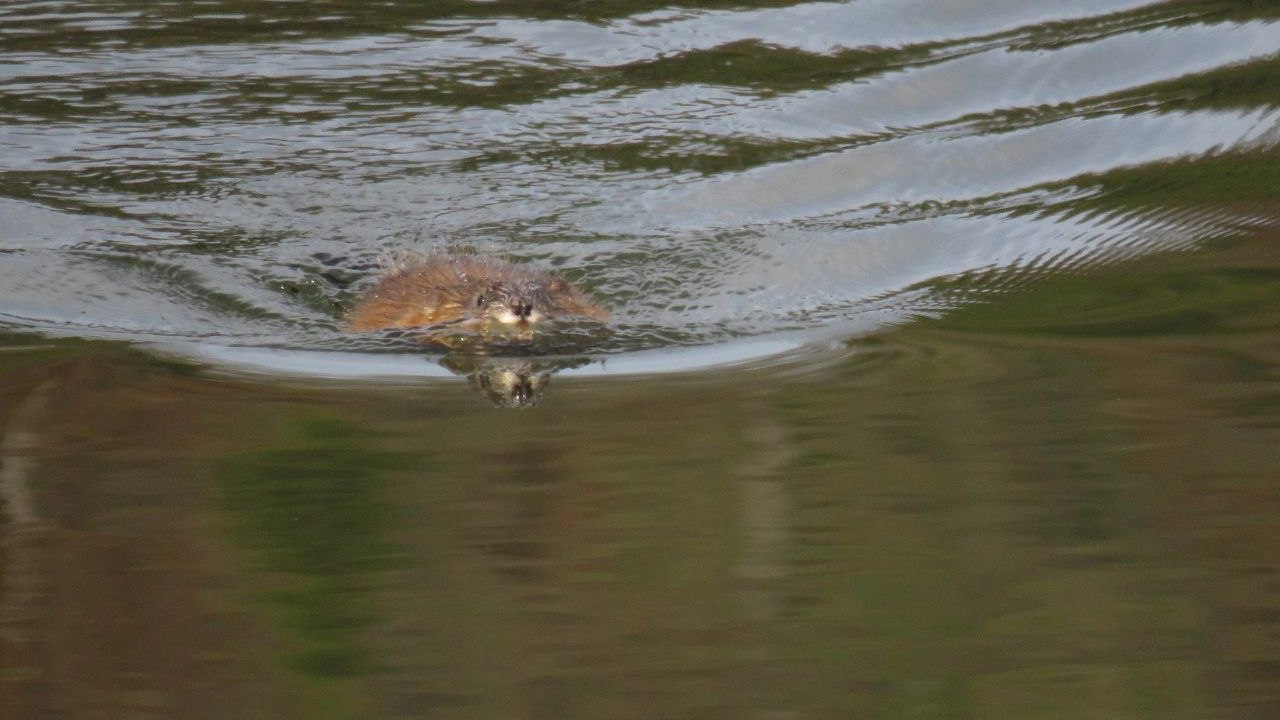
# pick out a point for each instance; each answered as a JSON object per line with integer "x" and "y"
{"x": 468, "y": 292}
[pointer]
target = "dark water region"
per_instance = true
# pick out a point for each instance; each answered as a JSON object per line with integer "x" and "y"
{"x": 1037, "y": 510}
{"x": 943, "y": 378}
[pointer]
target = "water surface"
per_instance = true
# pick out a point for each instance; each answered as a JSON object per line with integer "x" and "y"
{"x": 942, "y": 380}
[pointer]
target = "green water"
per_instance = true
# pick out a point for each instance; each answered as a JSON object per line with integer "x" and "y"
{"x": 944, "y": 380}
{"x": 1003, "y": 513}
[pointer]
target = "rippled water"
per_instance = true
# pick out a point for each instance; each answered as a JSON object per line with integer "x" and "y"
{"x": 942, "y": 380}
{"x": 232, "y": 174}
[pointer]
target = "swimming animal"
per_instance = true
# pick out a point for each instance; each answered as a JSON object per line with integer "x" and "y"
{"x": 470, "y": 293}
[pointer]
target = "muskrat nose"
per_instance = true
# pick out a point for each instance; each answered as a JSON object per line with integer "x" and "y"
{"x": 522, "y": 310}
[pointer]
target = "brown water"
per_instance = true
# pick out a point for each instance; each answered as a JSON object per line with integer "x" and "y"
{"x": 944, "y": 380}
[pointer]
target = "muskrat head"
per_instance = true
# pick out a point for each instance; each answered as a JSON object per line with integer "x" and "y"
{"x": 521, "y": 306}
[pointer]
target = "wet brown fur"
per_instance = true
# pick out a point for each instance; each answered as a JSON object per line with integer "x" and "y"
{"x": 441, "y": 289}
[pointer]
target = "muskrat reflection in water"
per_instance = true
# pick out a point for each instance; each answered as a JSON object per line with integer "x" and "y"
{"x": 469, "y": 293}
{"x": 509, "y": 382}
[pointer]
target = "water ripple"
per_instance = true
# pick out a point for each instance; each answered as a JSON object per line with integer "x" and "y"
{"x": 712, "y": 174}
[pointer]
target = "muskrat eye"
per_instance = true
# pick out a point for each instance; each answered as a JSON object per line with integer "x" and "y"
{"x": 480, "y": 301}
